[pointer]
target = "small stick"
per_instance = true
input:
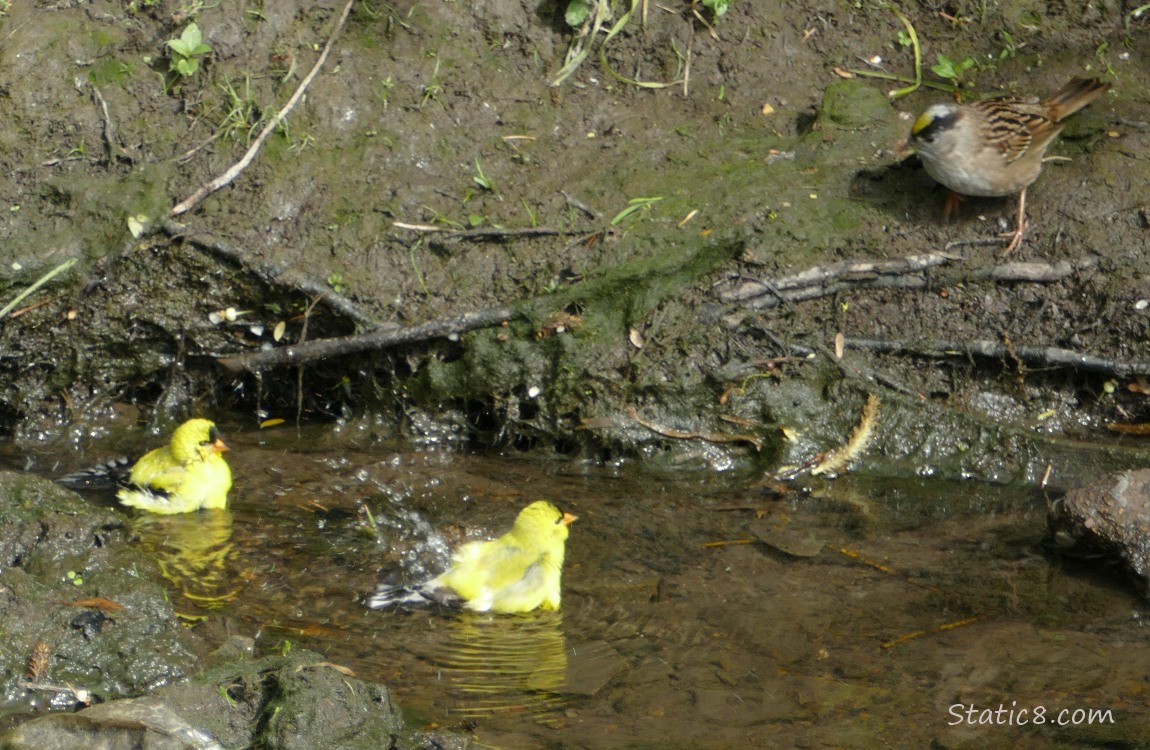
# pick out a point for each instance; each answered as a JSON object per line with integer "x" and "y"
{"x": 486, "y": 232}
{"x": 710, "y": 437}
{"x": 37, "y": 284}
{"x": 109, "y": 129}
{"x": 318, "y": 349}
{"x": 573, "y": 201}
{"x": 273, "y": 274}
{"x": 1042, "y": 356}
{"x": 234, "y": 171}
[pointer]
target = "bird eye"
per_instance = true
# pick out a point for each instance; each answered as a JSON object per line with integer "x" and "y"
{"x": 928, "y": 127}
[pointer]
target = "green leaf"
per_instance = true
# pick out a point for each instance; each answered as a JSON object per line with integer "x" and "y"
{"x": 633, "y": 205}
{"x": 481, "y": 179}
{"x": 577, "y": 13}
{"x": 191, "y": 43}
{"x": 192, "y": 40}
{"x": 951, "y": 70}
{"x": 945, "y": 67}
{"x": 188, "y": 41}
{"x": 718, "y": 7}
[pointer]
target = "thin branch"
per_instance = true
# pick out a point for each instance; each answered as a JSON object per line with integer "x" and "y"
{"x": 710, "y": 437}
{"x": 234, "y": 171}
{"x": 299, "y": 370}
{"x": 851, "y": 369}
{"x": 1040, "y": 356}
{"x": 499, "y": 233}
{"x": 576, "y": 203}
{"x": 110, "y": 140}
{"x": 823, "y": 280}
{"x": 385, "y": 338}
{"x": 487, "y": 232}
{"x": 37, "y": 284}
{"x": 906, "y": 273}
{"x": 274, "y": 274}
{"x": 1037, "y": 273}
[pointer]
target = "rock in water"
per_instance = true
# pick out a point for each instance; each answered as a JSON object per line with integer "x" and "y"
{"x": 1110, "y": 516}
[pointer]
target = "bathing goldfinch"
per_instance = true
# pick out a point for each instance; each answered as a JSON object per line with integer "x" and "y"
{"x": 185, "y": 475}
{"x": 518, "y": 572}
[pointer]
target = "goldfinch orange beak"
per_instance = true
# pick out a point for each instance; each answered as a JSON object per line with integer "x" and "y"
{"x": 569, "y": 519}
{"x": 219, "y": 446}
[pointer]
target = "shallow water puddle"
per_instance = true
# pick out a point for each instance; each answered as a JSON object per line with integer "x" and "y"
{"x": 697, "y": 613}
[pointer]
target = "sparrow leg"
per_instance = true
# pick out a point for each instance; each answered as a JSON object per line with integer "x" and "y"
{"x": 1016, "y": 235}
{"x": 950, "y": 205}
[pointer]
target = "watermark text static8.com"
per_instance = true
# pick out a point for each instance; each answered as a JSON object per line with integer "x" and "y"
{"x": 970, "y": 714}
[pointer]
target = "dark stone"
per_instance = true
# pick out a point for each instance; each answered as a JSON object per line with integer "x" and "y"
{"x": 1110, "y": 517}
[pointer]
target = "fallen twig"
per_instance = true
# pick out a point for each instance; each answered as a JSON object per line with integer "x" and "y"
{"x": 937, "y": 629}
{"x": 37, "y": 284}
{"x": 576, "y": 203}
{"x": 487, "y": 232}
{"x": 906, "y": 273}
{"x": 710, "y": 437}
{"x": 110, "y": 141}
{"x": 275, "y": 274}
{"x": 1041, "y": 356}
{"x": 34, "y": 306}
{"x": 234, "y": 171}
{"x": 834, "y": 461}
{"x": 1038, "y": 272}
{"x": 824, "y": 280}
{"x": 384, "y": 338}
{"x": 726, "y": 543}
{"x": 187, "y": 155}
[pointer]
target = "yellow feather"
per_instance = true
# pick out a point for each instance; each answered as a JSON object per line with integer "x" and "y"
{"x": 187, "y": 474}
{"x": 518, "y": 572}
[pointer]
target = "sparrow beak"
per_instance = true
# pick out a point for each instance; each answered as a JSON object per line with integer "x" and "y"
{"x": 903, "y": 149}
{"x": 569, "y": 519}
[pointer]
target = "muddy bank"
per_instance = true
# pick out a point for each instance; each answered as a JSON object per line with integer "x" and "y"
{"x": 609, "y": 219}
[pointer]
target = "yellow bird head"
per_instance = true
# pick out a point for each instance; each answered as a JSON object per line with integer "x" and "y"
{"x": 543, "y": 522}
{"x": 196, "y": 440}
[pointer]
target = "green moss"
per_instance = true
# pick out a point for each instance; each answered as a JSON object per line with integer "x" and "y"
{"x": 844, "y": 216}
{"x": 109, "y": 71}
{"x": 495, "y": 362}
{"x": 103, "y": 204}
{"x": 104, "y": 38}
{"x": 854, "y": 104}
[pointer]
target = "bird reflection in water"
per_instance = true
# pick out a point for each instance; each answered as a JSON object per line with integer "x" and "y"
{"x": 193, "y": 551}
{"x": 505, "y": 664}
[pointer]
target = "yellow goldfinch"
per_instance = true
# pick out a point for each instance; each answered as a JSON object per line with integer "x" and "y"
{"x": 518, "y": 572}
{"x": 187, "y": 474}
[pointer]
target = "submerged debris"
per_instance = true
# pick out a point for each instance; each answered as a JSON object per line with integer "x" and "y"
{"x": 836, "y": 460}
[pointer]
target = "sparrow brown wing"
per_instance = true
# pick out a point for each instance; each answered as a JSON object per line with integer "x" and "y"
{"x": 1016, "y": 127}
